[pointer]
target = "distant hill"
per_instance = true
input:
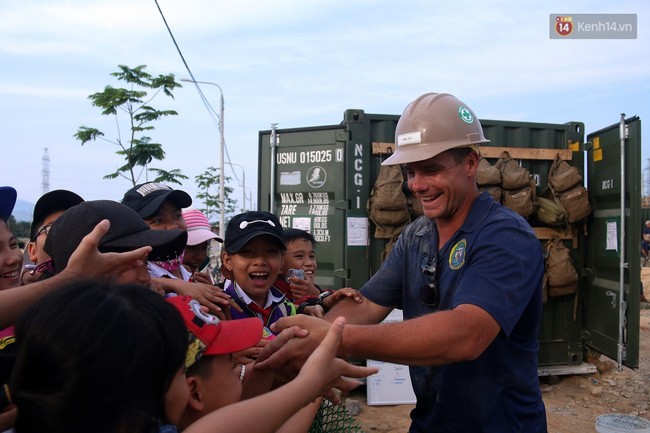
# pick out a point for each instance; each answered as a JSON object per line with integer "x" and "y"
{"x": 23, "y": 211}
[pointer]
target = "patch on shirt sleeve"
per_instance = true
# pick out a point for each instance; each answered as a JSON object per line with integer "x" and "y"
{"x": 457, "y": 255}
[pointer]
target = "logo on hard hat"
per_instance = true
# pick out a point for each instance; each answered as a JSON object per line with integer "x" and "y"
{"x": 465, "y": 114}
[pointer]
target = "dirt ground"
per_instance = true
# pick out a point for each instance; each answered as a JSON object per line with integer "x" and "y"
{"x": 572, "y": 402}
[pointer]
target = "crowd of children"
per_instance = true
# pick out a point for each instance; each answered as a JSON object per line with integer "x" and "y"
{"x": 120, "y": 327}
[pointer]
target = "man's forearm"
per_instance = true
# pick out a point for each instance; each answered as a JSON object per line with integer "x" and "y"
{"x": 364, "y": 313}
{"x": 435, "y": 339}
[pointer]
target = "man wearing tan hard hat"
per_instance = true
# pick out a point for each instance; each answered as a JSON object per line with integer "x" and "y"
{"x": 468, "y": 276}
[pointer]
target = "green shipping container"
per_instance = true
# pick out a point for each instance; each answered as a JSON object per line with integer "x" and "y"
{"x": 320, "y": 178}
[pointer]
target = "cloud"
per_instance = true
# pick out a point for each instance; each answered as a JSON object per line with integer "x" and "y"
{"x": 43, "y": 92}
{"x": 297, "y": 63}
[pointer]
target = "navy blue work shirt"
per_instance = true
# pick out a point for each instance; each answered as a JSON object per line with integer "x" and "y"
{"x": 494, "y": 261}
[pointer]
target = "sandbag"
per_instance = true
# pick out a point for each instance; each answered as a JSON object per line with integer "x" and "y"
{"x": 387, "y": 205}
{"x": 387, "y": 191}
{"x": 562, "y": 277}
{"x": 389, "y": 229}
{"x": 564, "y": 181}
{"x": 494, "y": 191}
{"x": 521, "y": 200}
{"x": 563, "y": 176}
{"x": 487, "y": 173}
{"x": 513, "y": 175}
{"x": 576, "y": 203}
{"x": 548, "y": 212}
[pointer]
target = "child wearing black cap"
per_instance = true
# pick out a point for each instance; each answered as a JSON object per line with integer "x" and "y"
{"x": 47, "y": 209}
{"x": 127, "y": 232}
{"x": 161, "y": 207}
{"x": 253, "y": 254}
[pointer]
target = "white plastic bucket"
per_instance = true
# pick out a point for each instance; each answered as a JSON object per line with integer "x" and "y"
{"x": 621, "y": 423}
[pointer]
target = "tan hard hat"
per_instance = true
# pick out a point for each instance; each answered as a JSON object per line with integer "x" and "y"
{"x": 431, "y": 124}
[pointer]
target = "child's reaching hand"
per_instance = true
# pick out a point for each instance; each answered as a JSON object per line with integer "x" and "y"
{"x": 325, "y": 371}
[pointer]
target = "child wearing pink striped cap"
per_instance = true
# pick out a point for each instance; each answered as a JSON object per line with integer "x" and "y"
{"x": 199, "y": 235}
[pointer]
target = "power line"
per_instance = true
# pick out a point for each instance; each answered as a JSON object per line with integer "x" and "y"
{"x": 211, "y": 111}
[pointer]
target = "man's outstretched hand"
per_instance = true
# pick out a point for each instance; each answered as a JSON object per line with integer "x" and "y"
{"x": 88, "y": 263}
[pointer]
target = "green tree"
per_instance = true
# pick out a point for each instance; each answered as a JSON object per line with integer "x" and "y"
{"x": 137, "y": 150}
{"x": 208, "y": 185}
{"x": 20, "y": 229}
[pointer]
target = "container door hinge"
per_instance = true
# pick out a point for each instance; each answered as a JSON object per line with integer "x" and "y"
{"x": 343, "y": 136}
{"x": 342, "y": 273}
{"x": 342, "y": 204}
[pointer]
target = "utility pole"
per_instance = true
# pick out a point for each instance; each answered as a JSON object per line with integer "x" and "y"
{"x": 274, "y": 149}
{"x": 243, "y": 204}
{"x": 222, "y": 200}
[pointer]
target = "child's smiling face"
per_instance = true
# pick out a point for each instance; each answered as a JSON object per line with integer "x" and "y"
{"x": 256, "y": 266}
{"x": 300, "y": 255}
{"x": 169, "y": 216}
{"x": 11, "y": 258}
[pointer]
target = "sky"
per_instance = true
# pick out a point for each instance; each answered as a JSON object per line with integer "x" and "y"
{"x": 294, "y": 63}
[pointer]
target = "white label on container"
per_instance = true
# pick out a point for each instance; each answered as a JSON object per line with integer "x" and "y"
{"x": 302, "y": 223}
{"x": 289, "y": 178}
{"x": 357, "y": 230}
{"x": 612, "y": 236}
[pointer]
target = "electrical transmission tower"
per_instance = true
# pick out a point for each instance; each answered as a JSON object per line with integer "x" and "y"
{"x": 45, "y": 171}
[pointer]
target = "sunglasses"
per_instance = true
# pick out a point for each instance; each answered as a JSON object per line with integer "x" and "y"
{"x": 45, "y": 229}
{"x": 429, "y": 292}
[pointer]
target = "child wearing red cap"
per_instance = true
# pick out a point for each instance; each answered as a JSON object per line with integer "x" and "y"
{"x": 119, "y": 353}
{"x": 213, "y": 378}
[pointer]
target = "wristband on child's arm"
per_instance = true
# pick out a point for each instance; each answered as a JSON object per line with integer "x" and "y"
{"x": 310, "y": 302}
{"x": 319, "y": 299}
